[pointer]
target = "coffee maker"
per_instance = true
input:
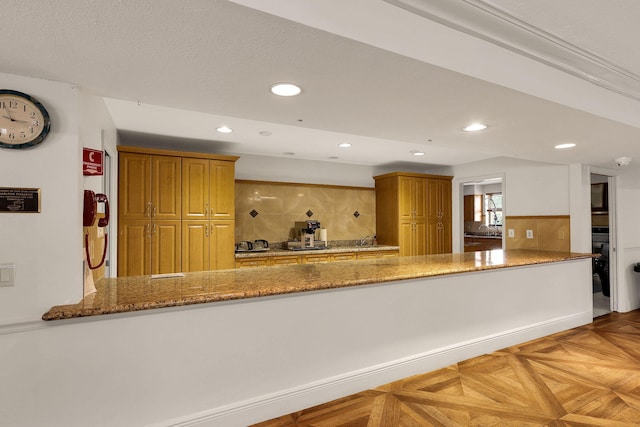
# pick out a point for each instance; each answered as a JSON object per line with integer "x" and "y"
{"x": 305, "y": 231}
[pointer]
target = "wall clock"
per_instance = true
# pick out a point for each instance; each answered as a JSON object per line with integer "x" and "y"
{"x": 24, "y": 122}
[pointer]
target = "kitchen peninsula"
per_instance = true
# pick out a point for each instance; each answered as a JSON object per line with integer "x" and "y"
{"x": 126, "y": 294}
{"x": 235, "y": 347}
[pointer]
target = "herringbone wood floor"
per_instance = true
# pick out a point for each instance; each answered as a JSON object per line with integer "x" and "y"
{"x": 587, "y": 376}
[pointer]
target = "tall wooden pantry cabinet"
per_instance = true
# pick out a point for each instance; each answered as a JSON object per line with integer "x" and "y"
{"x": 413, "y": 211}
{"x": 158, "y": 219}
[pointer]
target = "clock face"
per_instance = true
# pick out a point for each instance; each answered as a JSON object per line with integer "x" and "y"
{"x": 24, "y": 122}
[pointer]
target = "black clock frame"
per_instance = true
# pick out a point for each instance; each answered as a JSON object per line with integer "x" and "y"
{"x": 45, "y": 114}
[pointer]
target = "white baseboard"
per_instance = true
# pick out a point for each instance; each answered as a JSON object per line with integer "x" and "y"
{"x": 290, "y": 400}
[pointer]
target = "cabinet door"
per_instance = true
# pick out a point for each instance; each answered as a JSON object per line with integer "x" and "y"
{"x": 413, "y": 205}
{"x": 222, "y": 245}
{"x": 406, "y": 188}
{"x": 439, "y": 233}
{"x": 195, "y": 188}
{"x": 134, "y": 186}
{"x": 420, "y": 239}
{"x": 195, "y": 246}
{"x": 406, "y": 242}
{"x": 439, "y": 199}
{"x": 165, "y": 187}
{"x": 222, "y": 189}
{"x": 166, "y": 247}
{"x": 134, "y": 248}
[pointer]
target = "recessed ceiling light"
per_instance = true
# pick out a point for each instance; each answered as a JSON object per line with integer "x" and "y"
{"x": 224, "y": 129}
{"x": 264, "y": 133}
{"x": 417, "y": 153}
{"x": 344, "y": 145}
{"x": 474, "y": 127}
{"x": 567, "y": 145}
{"x": 285, "y": 89}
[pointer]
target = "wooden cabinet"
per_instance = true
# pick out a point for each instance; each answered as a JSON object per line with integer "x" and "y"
{"x": 439, "y": 215}
{"x": 151, "y": 187}
{"x": 343, "y": 256}
{"x": 207, "y": 245}
{"x": 376, "y": 254}
{"x": 413, "y": 211}
{"x": 208, "y": 190}
{"x": 253, "y": 262}
{"x": 176, "y": 211}
{"x": 148, "y": 248}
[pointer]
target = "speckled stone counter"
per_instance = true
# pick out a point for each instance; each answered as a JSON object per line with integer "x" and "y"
{"x": 329, "y": 250}
{"x": 128, "y": 294}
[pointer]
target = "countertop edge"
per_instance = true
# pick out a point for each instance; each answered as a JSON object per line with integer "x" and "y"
{"x": 78, "y": 310}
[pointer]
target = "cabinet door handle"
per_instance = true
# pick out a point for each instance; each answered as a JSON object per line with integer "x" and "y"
{"x": 147, "y": 230}
{"x": 206, "y": 230}
{"x": 206, "y": 209}
{"x": 154, "y": 228}
{"x": 147, "y": 209}
{"x": 154, "y": 211}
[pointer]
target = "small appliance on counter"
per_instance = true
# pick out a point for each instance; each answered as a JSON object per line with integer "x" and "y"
{"x": 304, "y": 234}
{"x": 258, "y": 245}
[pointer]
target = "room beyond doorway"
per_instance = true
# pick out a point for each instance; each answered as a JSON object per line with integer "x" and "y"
{"x": 601, "y": 244}
{"x": 483, "y": 214}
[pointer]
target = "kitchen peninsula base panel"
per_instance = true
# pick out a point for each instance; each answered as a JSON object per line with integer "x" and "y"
{"x": 239, "y": 362}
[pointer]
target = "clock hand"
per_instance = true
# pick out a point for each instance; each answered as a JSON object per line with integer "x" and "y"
{"x": 8, "y": 116}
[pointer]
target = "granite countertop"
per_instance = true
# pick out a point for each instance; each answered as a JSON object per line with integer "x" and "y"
{"x": 128, "y": 294}
{"x": 328, "y": 250}
{"x": 483, "y": 236}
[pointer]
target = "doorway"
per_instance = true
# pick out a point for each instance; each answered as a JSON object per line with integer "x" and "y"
{"x": 602, "y": 226}
{"x": 483, "y": 202}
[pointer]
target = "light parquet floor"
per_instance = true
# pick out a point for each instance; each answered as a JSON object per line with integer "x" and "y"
{"x": 586, "y": 376}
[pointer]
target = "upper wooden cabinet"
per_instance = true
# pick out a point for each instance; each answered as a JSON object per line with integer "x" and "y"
{"x": 208, "y": 190}
{"x": 412, "y": 194}
{"x": 152, "y": 187}
{"x": 413, "y": 211}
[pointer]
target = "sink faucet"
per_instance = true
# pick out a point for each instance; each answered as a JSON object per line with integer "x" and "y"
{"x": 363, "y": 241}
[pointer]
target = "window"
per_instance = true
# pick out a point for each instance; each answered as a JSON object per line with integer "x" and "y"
{"x": 493, "y": 208}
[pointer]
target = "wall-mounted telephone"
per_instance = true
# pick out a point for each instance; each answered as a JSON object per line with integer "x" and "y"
{"x": 91, "y": 201}
{"x": 89, "y": 215}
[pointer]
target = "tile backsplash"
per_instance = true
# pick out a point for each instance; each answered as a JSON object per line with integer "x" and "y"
{"x": 547, "y": 233}
{"x": 268, "y": 210}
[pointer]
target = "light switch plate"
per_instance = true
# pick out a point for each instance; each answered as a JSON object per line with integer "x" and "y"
{"x": 529, "y": 234}
{"x": 511, "y": 232}
{"x": 7, "y": 274}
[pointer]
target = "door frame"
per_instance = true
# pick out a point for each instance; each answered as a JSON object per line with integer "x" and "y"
{"x": 614, "y": 253}
{"x": 458, "y": 185}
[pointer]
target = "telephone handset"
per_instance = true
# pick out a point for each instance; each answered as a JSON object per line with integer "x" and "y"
{"x": 91, "y": 201}
{"x": 89, "y": 215}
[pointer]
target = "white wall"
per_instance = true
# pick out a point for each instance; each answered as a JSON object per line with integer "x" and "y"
{"x": 235, "y": 363}
{"x": 628, "y": 236}
{"x": 46, "y": 246}
{"x": 262, "y": 168}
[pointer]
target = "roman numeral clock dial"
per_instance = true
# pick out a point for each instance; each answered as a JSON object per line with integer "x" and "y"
{"x": 24, "y": 122}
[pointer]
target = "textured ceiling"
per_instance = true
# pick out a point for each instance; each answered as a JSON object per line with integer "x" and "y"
{"x": 372, "y": 74}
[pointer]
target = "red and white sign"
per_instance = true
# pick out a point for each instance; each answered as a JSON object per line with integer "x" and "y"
{"x": 92, "y": 161}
